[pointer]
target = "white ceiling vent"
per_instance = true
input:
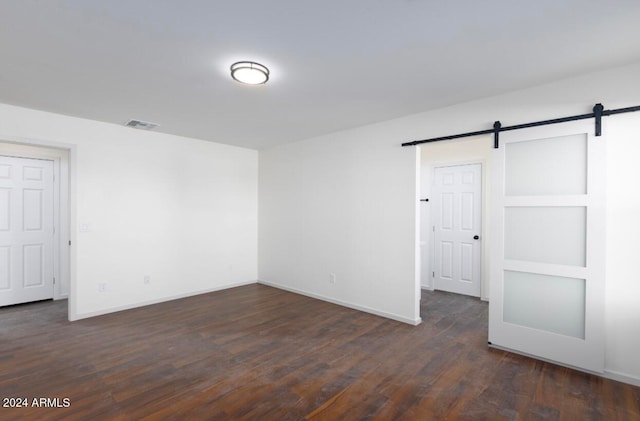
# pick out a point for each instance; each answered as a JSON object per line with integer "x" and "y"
{"x": 143, "y": 125}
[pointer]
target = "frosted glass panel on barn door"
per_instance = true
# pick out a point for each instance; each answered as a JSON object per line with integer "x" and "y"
{"x": 547, "y": 264}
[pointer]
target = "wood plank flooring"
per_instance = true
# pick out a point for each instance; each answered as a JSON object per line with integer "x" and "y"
{"x": 259, "y": 353}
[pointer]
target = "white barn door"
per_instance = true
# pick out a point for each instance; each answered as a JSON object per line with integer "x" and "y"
{"x": 26, "y": 230}
{"x": 457, "y": 220}
{"x": 548, "y": 254}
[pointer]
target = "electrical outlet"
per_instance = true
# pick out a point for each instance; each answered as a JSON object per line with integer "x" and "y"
{"x": 102, "y": 287}
{"x": 332, "y": 278}
{"x": 147, "y": 279}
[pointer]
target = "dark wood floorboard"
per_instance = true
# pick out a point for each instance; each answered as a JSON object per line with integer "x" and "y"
{"x": 259, "y": 353}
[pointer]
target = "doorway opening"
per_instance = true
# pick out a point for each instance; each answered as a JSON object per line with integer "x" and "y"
{"x": 453, "y": 221}
{"x": 456, "y": 221}
{"x": 42, "y": 265}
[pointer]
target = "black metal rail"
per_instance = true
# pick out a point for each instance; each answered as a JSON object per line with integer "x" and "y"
{"x": 598, "y": 113}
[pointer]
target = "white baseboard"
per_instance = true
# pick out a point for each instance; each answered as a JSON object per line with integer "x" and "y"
{"x": 158, "y": 300}
{"x": 607, "y": 374}
{"x": 345, "y": 304}
{"x": 430, "y": 288}
{"x": 620, "y": 377}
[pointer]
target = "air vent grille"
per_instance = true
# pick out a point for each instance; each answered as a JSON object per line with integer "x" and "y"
{"x": 143, "y": 125}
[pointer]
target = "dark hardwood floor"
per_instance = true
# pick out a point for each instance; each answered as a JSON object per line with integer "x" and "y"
{"x": 259, "y": 353}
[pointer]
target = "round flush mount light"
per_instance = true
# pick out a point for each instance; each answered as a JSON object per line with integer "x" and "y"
{"x": 249, "y": 72}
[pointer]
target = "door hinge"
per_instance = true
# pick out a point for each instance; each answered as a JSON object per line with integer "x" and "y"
{"x": 433, "y": 274}
{"x": 434, "y": 228}
{"x": 69, "y": 242}
{"x": 54, "y": 281}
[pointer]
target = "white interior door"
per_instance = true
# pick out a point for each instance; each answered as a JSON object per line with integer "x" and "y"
{"x": 26, "y": 230}
{"x": 547, "y": 260}
{"x": 457, "y": 219}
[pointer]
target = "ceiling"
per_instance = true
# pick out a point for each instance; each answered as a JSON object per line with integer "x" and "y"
{"x": 334, "y": 64}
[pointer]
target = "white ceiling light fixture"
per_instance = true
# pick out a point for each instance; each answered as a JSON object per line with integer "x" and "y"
{"x": 249, "y": 72}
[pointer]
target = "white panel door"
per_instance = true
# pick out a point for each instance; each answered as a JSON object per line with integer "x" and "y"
{"x": 547, "y": 257}
{"x": 457, "y": 218}
{"x": 26, "y": 230}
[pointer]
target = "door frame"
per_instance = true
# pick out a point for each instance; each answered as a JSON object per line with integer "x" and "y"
{"x": 63, "y": 157}
{"x": 430, "y": 241}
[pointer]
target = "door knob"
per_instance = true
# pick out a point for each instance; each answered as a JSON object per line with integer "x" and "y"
{"x": 475, "y": 237}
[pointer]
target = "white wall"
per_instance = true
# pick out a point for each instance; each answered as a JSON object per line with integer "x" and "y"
{"x": 343, "y": 204}
{"x": 180, "y": 210}
{"x": 346, "y": 203}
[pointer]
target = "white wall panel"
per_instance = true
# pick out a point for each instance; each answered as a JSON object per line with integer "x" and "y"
{"x": 344, "y": 204}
